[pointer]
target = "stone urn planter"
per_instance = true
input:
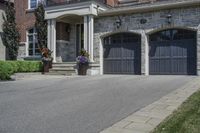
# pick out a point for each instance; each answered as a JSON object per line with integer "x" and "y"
{"x": 47, "y": 64}
{"x": 46, "y": 59}
{"x": 82, "y": 69}
{"x": 82, "y": 62}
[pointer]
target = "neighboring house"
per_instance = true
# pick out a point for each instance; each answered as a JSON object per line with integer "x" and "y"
{"x": 25, "y": 19}
{"x": 151, "y": 37}
{"x": 2, "y": 47}
{"x": 3, "y": 51}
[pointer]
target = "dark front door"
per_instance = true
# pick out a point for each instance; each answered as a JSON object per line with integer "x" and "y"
{"x": 79, "y": 38}
{"x": 173, "y": 52}
{"x": 122, "y": 54}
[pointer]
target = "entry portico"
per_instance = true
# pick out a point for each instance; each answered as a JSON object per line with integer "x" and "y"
{"x": 78, "y": 20}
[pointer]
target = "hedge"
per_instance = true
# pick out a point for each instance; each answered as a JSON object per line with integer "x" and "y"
{"x": 7, "y": 68}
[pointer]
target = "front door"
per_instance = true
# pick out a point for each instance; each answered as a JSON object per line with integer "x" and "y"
{"x": 79, "y": 38}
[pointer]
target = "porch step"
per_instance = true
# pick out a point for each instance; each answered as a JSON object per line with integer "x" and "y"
{"x": 68, "y": 68}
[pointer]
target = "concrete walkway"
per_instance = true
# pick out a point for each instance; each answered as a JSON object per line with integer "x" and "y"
{"x": 147, "y": 118}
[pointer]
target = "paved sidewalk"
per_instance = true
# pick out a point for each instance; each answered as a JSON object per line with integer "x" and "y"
{"x": 34, "y": 76}
{"x": 146, "y": 119}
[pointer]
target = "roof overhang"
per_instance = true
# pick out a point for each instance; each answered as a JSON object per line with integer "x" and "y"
{"x": 80, "y": 9}
{"x": 150, "y": 7}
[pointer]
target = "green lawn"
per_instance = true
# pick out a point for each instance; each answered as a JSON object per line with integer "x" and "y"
{"x": 185, "y": 120}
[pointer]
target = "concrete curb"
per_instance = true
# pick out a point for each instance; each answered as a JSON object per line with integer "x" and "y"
{"x": 149, "y": 117}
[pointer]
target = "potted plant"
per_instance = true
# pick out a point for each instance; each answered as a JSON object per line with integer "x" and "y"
{"x": 46, "y": 59}
{"x": 83, "y": 62}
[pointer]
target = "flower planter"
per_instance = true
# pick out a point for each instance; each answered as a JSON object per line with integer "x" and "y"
{"x": 82, "y": 69}
{"x": 47, "y": 64}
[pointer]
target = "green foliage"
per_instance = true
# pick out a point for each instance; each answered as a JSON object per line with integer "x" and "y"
{"x": 7, "y": 68}
{"x": 11, "y": 36}
{"x": 185, "y": 120}
{"x": 83, "y": 52}
{"x": 41, "y": 26}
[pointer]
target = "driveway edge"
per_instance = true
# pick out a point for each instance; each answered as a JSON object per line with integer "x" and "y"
{"x": 149, "y": 117}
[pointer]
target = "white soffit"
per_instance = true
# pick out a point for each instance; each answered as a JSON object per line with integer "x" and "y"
{"x": 80, "y": 9}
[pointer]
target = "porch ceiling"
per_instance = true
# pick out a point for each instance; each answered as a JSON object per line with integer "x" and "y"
{"x": 70, "y": 19}
{"x": 81, "y": 9}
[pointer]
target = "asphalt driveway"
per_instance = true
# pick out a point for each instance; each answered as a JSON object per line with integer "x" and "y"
{"x": 78, "y": 104}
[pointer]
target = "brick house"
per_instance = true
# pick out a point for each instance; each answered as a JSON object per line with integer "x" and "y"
{"x": 150, "y": 37}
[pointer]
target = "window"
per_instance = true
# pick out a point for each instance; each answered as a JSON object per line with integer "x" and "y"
{"x": 33, "y": 3}
{"x": 33, "y": 48}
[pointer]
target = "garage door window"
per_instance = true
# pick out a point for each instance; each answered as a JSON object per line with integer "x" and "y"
{"x": 173, "y": 34}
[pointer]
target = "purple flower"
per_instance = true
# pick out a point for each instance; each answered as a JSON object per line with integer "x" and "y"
{"x": 82, "y": 59}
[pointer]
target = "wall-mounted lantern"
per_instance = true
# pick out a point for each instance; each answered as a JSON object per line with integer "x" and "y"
{"x": 143, "y": 21}
{"x": 118, "y": 22}
{"x": 169, "y": 18}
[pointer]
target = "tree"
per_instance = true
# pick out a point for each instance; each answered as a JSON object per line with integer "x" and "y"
{"x": 11, "y": 36}
{"x": 41, "y": 26}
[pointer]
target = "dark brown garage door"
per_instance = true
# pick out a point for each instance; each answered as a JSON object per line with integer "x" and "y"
{"x": 173, "y": 52}
{"x": 122, "y": 54}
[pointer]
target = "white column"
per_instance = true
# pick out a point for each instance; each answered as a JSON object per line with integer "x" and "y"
{"x": 52, "y": 38}
{"x": 86, "y": 33}
{"x": 89, "y": 35}
{"x": 146, "y": 54}
{"x": 49, "y": 34}
{"x": 91, "y": 38}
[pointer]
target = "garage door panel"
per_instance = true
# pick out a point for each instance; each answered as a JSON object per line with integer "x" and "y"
{"x": 112, "y": 66}
{"x": 173, "y": 55}
{"x": 130, "y": 66}
{"x": 160, "y": 66}
{"x": 159, "y": 49}
{"x": 112, "y": 52}
{"x": 179, "y": 66}
{"x": 127, "y": 66}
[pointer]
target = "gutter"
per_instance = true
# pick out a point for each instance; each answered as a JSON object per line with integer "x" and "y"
{"x": 150, "y": 7}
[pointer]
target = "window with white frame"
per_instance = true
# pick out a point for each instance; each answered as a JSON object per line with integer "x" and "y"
{"x": 33, "y": 4}
{"x": 33, "y": 48}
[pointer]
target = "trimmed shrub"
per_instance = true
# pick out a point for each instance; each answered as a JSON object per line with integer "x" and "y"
{"x": 7, "y": 68}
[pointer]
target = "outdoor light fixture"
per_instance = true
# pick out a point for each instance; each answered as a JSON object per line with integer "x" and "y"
{"x": 143, "y": 21}
{"x": 169, "y": 18}
{"x": 118, "y": 22}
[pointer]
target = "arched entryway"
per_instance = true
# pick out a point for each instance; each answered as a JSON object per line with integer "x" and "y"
{"x": 173, "y": 52}
{"x": 122, "y": 54}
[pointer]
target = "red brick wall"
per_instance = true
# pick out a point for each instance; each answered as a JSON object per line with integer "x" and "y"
{"x": 112, "y": 2}
{"x": 109, "y": 2}
{"x": 24, "y": 18}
